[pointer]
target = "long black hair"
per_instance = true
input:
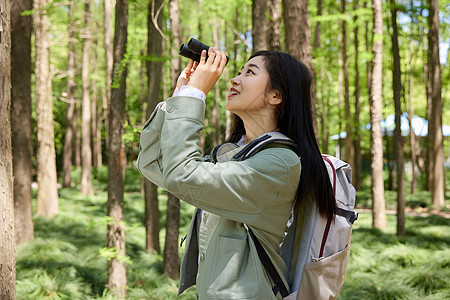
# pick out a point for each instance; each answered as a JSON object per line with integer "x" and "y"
{"x": 293, "y": 80}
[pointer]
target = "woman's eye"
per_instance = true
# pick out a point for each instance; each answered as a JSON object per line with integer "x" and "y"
{"x": 250, "y": 71}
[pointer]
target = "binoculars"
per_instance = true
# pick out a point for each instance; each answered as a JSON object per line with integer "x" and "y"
{"x": 194, "y": 49}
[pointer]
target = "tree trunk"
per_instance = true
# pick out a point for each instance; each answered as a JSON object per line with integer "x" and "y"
{"x": 70, "y": 108}
{"x": 86, "y": 150}
{"x": 275, "y": 25}
{"x": 21, "y": 119}
{"x": 47, "y": 195}
{"x": 412, "y": 135}
{"x": 77, "y": 131}
{"x": 396, "y": 75}
{"x": 298, "y": 43}
{"x": 378, "y": 205}
{"x": 117, "y": 279}
{"x": 96, "y": 115}
{"x": 349, "y": 151}
{"x": 170, "y": 265}
{"x": 317, "y": 32}
{"x": 215, "y": 111}
{"x": 435, "y": 129}
{"x": 357, "y": 166}
{"x": 260, "y": 25}
{"x": 7, "y": 245}
{"x": 109, "y": 60}
{"x": 154, "y": 72}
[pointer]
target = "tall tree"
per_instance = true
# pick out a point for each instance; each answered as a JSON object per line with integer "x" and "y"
{"x": 96, "y": 111}
{"x": 117, "y": 279}
{"x": 154, "y": 72}
{"x": 412, "y": 135}
{"x": 298, "y": 42}
{"x": 108, "y": 58}
{"x": 170, "y": 265}
{"x": 70, "y": 108}
{"x": 378, "y": 203}
{"x": 86, "y": 187}
{"x": 436, "y": 168}
{"x": 260, "y": 25}
{"x": 47, "y": 195}
{"x": 349, "y": 151}
{"x": 7, "y": 245}
{"x": 21, "y": 119}
{"x": 397, "y": 86}
{"x": 357, "y": 163}
{"x": 275, "y": 31}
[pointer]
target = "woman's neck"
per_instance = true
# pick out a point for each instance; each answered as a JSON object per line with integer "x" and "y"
{"x": 256, "y": 126}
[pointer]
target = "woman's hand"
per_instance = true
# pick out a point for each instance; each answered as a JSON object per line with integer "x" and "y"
{"x": 185, "y": 76}
{"x": 207, "y": 72}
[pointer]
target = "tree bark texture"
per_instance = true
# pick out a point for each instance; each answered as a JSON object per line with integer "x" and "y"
{"x": 170, "y": 265}
{"x": 378, "y": 204}
{"x": 154, "y": 73}
{"x": 398, "y": 143}
{"x": 21, "y": 119}
{"x": 86, "y": 187}
{"x": 7, "y": 244}
{"x": 435, "y": 130}
{"x": 275, "y": 25}
{"x": 260, "y": 25}
{"x": 117, "y": 279}
{"x": 357, "y": 166}
{"x": 47, "y": 195}
{"x": 298, "y": 43}
{"x": 70, "y": 108}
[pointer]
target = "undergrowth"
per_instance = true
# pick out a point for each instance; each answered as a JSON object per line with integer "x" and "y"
{"x": 65, "y": 260}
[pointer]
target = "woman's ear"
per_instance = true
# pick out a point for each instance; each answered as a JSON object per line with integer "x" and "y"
{"x": 275, "y": 97}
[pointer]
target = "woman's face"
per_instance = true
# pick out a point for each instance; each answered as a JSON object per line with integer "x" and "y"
{"x": 249, "y": 90}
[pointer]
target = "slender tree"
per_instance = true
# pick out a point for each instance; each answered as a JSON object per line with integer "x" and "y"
{"x": 154, "y": 73}
{"x": 70, "y": 108}
{"x": 298, "y": 42}
{"x": 108, "y": 58}
{"x": 117, "y": 279}
{"x": 436, "y": 168}
{"x": 357, "y": 163}
{"x": 378, "y": 203}
{"x": 397, "y": 87}
{"x": 21, "y": 119}
{"x": 260, "y": 25}
{"x": 173, "y": 204}
{"x": 412, "y": 135}
{"x": 47, "y": 195}
{"x": 275, "y": 31}
{"x": 349, "y": 151}
{"x": 96, "y": 111}
{"x": 86, "y": 187}
{"x": 7, "y": 245}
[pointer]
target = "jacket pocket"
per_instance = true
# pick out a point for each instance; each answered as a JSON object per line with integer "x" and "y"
{"x": 234, "y": 272}
{"x": 324, "y": 279}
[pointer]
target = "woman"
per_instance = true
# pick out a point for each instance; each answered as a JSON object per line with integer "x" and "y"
{"x": 270, "y": 94}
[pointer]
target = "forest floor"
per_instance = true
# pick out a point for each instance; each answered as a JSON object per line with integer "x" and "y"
{"x": 68, "y": 257}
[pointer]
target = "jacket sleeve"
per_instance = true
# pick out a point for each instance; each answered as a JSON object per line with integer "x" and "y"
{"x": 236, "y": 190}
{"x": 149, "y": 161}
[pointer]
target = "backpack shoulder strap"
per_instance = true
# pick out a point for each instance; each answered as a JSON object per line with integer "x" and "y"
{"x": 262, "y": 142}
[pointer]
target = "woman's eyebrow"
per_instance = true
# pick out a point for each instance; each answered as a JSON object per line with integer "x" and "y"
{"x": 253, "y": 65}
{"x": 250, "y": 65}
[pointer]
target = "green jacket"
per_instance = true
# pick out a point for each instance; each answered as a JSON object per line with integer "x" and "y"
{"x": 220, "y": 256}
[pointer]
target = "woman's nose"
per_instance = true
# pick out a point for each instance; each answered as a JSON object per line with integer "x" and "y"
{"x": 235, "y": 81}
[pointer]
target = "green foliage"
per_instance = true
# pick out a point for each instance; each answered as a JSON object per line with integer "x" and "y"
{"x": 68, "y": 259}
